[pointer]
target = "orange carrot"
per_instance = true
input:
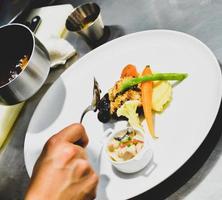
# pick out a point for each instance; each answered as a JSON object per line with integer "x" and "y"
{"x": 129, "y": 70}
{"x": 147, "y": 90}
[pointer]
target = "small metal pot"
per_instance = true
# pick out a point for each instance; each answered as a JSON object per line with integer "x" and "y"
{"x": 16, "y": 41}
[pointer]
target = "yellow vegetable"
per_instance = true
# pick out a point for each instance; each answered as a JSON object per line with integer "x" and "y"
{"x": 162, "y": 95}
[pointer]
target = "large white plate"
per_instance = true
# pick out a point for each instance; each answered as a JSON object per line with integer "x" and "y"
{"x": 181, "y": 128}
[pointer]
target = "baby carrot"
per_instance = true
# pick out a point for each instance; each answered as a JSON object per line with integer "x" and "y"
{"x": 129, "y": 70}
{"x": 147, "y": 90}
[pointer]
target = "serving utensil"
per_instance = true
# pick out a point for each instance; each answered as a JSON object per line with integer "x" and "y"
{"x": 96, "y": 98}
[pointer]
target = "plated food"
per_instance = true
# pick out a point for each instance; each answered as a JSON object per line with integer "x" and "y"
{"x": 179, "y": 134}
{"x": 125, "y": 145}
{"x": 137, "y": 96}
{"x": 128, "y": 150}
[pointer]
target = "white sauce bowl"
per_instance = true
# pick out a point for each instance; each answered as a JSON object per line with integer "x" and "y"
{"x": 138, "y": 162}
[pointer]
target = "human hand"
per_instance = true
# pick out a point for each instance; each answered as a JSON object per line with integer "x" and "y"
{"x": 62, "y": 171}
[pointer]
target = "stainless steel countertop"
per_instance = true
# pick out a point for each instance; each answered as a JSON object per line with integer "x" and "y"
{"x": 200, "y": 18}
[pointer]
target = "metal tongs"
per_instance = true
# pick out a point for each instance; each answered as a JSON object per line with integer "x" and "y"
{"x": 95, "y": 100}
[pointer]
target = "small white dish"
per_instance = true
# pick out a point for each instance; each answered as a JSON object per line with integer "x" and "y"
{"x": 134, "y": 164}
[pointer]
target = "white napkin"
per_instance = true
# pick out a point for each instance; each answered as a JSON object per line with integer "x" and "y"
{"x": 59, "y": 49}
{"x": 51, "y": 32}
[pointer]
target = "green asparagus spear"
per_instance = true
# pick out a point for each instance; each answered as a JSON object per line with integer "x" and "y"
{"x": 154, "y": 77}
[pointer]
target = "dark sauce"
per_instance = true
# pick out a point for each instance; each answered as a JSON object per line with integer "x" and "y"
{"x": 11, "y": 70}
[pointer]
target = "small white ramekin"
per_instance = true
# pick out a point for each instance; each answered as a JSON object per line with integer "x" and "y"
{"x": 136, "y": 163}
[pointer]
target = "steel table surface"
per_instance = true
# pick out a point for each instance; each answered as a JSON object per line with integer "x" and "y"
{"x": 200, "y": 18}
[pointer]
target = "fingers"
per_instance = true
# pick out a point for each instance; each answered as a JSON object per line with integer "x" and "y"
{"x": 81, "y": 168}
{"x": 66, "y": 153}
{"x": 84, "y": 173}
{"x": 90, "y": 186}
{"x": 74, "y": 133}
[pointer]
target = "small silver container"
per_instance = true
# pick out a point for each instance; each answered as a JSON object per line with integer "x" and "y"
{"x": 86, "y": 21}
{"x": 16, "y": 41}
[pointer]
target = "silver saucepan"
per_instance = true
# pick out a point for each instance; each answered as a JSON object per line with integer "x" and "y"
{"x": 24, "y": 64}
